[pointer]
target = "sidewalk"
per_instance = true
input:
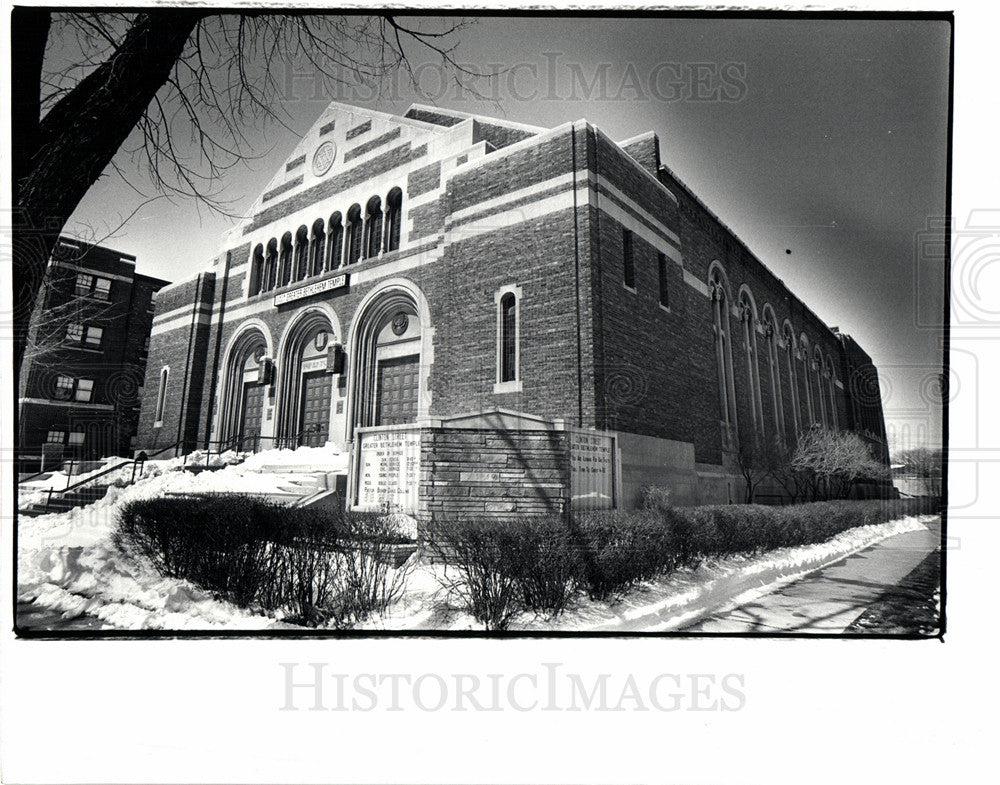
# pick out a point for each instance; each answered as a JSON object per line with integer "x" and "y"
{"x": 830, "y": 599}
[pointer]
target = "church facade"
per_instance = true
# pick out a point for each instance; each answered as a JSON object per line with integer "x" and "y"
{"x": 494, "y": 318}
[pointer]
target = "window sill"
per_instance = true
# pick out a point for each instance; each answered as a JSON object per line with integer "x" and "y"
{"x": 158, "y": 424}
{"x": 665, "y": 308}
{"x": 500, "y": 388}
{"x": 629, "y": 288}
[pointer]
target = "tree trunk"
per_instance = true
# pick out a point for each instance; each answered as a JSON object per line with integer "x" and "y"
{"x": 57, "y": 158}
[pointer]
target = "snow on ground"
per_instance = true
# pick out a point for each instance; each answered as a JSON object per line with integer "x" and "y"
{"x": 318, "y": 458}
{"x": 668, "y": 603}
{"x": 66, "y": 561}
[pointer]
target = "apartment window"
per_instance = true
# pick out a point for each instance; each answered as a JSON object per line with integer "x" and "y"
{"x": 76, "y": 438}
{"x": 161, "y": 396}
{"x": 628, "y": 260}
{"x": 94, "y": 335}
{"x": 84, "y": 283}
{"x": 664, "y": 285}
{"x": 74, "y": 332}
{"x": 64, "y": 388}
{"x": 55, "y": 437}
{"x": 508, "y": 377}
{"x": 84, "y": 390}
{"x": 91, "y": 286}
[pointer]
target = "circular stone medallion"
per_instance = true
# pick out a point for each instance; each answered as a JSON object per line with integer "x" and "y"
{"x": 323, "y": 158}
{"x": 399, "y": 323}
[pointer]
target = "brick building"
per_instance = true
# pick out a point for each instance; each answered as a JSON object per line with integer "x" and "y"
{"x": 551, "y": 316}
{"x": 80, "y": 383}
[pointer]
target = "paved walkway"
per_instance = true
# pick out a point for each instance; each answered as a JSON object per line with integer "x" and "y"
{"x": 830, "y": 599}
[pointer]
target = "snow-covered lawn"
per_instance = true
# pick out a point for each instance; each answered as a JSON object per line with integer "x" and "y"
{"x": 67, "y": 563}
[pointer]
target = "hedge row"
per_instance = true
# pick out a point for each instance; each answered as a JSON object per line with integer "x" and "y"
{"x": 537, "y": 564}
{"x": 318, "y": 567}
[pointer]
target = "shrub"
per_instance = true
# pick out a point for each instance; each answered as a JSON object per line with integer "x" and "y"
{"x": 547, "y": 566}
{"x": 484, "y": 554}
{"x": 654, "y": 497}
{"x": 619, "y": 549}
{"x": 318, "y": 566}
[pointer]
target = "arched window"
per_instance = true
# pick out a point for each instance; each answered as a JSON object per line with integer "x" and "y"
{"x": 161, "y": 396}
{"x": 809, "y": 415}
{"x": 748, "y": 320}
{"x": 271, "y": 265}
{"x": 256, "y": 271}
{"x": 285, "y": 260}
{"x": 301, "y": 252}
{"x": 723, "y": 351}
{"x": 819, "y": 373}
{"x": 354, "y": 226}
{"x": 334, "y": 242}
{"x": 373, "y": 227}
{"x": 788, "y": 335}
{"x": 393, "y": 218}
{"x": 508, "y": 377}
{"x": 317, "y": 247}
{"x": 831, "y": 383}
{"x": 774, "y": 369}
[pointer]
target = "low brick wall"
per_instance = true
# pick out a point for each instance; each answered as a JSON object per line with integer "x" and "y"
{"x": 471, "y": 473}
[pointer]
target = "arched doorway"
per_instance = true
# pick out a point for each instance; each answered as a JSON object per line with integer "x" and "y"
{"x": 306, "y": 382}
{"x": 386, "y": 353}
{"x": 243, "y": 394}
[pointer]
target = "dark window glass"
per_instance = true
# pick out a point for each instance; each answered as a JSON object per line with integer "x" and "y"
{"x": 508, "y": 338}
{"x": 664, "y": 288}
{"x": 628, "y": 259}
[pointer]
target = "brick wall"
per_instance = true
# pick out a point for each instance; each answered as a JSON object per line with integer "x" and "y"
{"x": 185, "y": 350}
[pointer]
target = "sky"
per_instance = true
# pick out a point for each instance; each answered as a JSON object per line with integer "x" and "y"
{"x": 821, "y": 143}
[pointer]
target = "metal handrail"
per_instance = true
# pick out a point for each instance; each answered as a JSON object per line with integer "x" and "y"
{"x": 136, "y": 462}
{"x": 31, "y": 477}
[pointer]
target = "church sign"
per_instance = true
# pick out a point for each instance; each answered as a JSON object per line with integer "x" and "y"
{"x": 592, "y": 470}
{"x": 389, "y": 470}
{"x": 326, "y": 285}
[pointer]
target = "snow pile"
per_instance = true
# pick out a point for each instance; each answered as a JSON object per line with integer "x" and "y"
{"x": 99, "y": 581}
{"x": 327, "y": 458}
{"x": 66, "y": 561}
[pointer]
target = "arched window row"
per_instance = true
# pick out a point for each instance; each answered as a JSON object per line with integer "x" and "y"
{"x": 801, "y": 380}
{"x": 328, "y": 244}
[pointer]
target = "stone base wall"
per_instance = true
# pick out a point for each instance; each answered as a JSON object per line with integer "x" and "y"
{"x": 473, "y": 473}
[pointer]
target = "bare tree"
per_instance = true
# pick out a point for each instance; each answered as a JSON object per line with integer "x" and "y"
{"x": 828, "y": 463}
{"x": 757, "y": 461}
{"x": 183, "y": 93}
{"x": 927, "y": 463}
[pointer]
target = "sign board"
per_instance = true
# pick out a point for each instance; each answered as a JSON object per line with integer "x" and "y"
{"x": 389, "y": 471}
{"x": 319, "y": 364}
{"x": 326, "y": 285}
{"x": 592, "y": 470}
